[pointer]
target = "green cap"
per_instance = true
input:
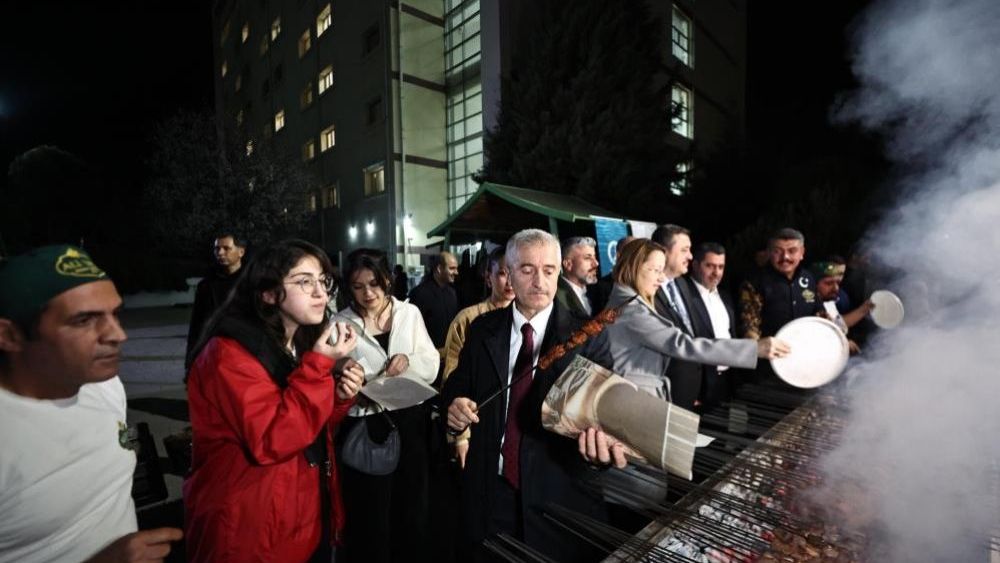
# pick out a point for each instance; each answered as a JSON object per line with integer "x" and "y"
{"x": 30, "y": 280}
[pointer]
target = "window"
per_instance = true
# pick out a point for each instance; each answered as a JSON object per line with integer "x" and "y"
{"x": 308, "y": 150}
{"x": 306, "y": 98}
{"x": 239, "y": 118}
{"x": 305, "y": 42}
{"x": 264, "y": 45}
{"x": 225, "y": 33}
{"x": 324, "y": 20}
{"x": 225, "y": 69}
{"x": 681, "y": 99}
{"x": 373, "y": 112}
{"x": 327, "y": 139}
{"x": 275, "y": 28}
{"x": 325, "y": 79}
{"x": 331, "y": 196}
{"x": 245, "y": 34}
{"x": 279, "y": 120}
{"x": 239, "y": 83}
{"x": 374, "y": 179}
{"x": 370, "y": 40}
{"x": 250, "y": 147}
{"x": 680, "y": 37}
{"x": 679, "y": 186}
{"x": 312, "y": 203}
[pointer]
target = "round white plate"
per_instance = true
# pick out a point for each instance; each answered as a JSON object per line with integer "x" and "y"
{"x": 819, "y": 352}
{"x": 888, "y": 311}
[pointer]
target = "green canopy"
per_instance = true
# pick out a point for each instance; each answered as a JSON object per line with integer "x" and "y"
{"x": 496, "y": 211}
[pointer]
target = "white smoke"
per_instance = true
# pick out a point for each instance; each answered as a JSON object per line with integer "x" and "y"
{"x": 924, "y": 433}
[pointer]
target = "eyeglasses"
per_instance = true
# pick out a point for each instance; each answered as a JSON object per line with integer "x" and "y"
{"x": 309, "y": 285}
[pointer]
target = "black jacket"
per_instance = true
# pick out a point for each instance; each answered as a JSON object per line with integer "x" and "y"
{"x": 551, "y": 467}
{"x": 715, "y": 387}
{"x": 211, "y": 292}
{"x": 685, "y": 376}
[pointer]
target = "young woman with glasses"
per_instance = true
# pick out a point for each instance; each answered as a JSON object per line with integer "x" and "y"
{"x": 264, "y": 404}
{"x": 388, "y": 513}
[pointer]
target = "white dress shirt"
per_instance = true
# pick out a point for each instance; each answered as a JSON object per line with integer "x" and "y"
{"x": 581, "y": 295}
{"x": 538, "y": 324}
{"x": 717, "y": 313}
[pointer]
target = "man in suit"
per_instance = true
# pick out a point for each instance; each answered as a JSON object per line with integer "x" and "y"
{"x": 714, "y": 309}
{"x": 514, "y": 467}
{"x": 579, "y": 274}
{"x": 675, "y": 301}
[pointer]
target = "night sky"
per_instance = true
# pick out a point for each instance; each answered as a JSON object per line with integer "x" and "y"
{"x": 93, "y": 77}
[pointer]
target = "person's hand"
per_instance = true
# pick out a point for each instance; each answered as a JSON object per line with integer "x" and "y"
{"x": 461, "y": 450}
{"x": 600, "y": 448}
{"x": 869, "y": 306}
{"x": 352, "y": 377}
{"x": 397, "y": 365}
{"x": 853, "y": 347}
{"x": 144, "y": 545}
{"x": 770, "y": 348}
{"x": 347, "y": 339}
{"x": 462, "y": 413}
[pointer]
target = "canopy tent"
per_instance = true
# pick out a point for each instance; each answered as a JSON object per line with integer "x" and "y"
{"x": 496, "y": 211}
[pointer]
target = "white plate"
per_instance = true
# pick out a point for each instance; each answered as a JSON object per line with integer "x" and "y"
{"x": 888, "y": 311}
{"x": 819, "y": 352}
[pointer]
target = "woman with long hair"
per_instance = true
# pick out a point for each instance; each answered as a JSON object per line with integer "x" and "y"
{"x": 264, "y": 406}
{"x": 388, "y": 512}
{"x": 640, "y": 344}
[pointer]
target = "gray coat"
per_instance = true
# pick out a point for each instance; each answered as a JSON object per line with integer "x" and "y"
{"x": 638, "y": 346}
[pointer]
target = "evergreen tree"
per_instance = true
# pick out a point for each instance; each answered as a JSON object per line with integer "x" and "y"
{"x": 588, "y": 112}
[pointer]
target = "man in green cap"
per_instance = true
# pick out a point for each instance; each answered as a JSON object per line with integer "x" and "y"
{"x": 65, "y": 467}
{"x": 829, "y": 273}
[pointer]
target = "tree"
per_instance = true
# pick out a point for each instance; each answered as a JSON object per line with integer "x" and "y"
{"x": 588, "y": 111}
{"x": 203, "y": 180}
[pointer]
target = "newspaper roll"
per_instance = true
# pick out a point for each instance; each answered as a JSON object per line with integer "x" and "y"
{"x": 652, "y": 430}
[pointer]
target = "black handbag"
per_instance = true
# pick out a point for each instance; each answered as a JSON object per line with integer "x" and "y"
{"x": 362, "y": 452}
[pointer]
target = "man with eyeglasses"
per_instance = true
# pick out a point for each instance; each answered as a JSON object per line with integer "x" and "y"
{"x": 228, "y": 250}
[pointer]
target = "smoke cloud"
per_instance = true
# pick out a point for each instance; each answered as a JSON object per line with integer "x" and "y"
{"x": 923, "y": 437}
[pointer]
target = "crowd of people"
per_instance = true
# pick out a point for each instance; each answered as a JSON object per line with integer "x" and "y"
{"x": 276, "y": 373}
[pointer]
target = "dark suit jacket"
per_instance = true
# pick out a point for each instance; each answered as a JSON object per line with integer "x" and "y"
{"x": 685, "y": 377}
{"x": 715, "y": 388}
{"x": 551, "y": 467}
{"x": 566, "y": 297}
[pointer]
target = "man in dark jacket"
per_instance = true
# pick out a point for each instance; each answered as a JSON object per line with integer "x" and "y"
{"x": 212, "y": 290}
{"x": 436, "y": 298}
{"x": 514, "y": 467}
{"x": 714, "y": 309}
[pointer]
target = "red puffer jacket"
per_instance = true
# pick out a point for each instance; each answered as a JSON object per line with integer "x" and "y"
{"x": 252, "y": 495}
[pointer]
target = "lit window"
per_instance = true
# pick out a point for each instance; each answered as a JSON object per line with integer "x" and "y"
{"x": 324, "y": 20}
{"x": 250, "y": 147}
{"x": 279, "y": 120}
{"x": 306, "y": 98}
{"x": 264, "y": 45}
{"x": 325, "y": 79}
{"x": 680, "y": 37}
{"x": 225, "y": 69}
{"x": 245, "y": 34}
{"x": 327, "y": 139}
{"x": 275, "y": 28}
{"x": 312, "y": 203}
{"x": 679, "y": 186}
{"x": 681, "y": 99}
{"x": 239, "y": 83}
{"x": 308, "y": 150}
{"x": 374, "y": 179}
{"x": 331, "y": 196}
{"x": 305, "y": 42}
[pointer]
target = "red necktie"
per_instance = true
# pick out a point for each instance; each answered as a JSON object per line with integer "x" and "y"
{"x": 511, "y": 449}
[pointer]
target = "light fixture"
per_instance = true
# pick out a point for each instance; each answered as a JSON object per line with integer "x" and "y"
{"x": 408, "y": 223}
{"x": 370, "y": 228}
{"x": 352, "y": 231}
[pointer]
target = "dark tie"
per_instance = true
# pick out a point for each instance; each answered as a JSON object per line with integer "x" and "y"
{"x": 511, "y": 449}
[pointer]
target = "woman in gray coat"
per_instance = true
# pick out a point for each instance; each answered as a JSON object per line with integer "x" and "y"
{"x": 639, "y": 345}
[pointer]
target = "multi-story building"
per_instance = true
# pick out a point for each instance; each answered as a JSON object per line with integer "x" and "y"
{"x": 386, "y": 102}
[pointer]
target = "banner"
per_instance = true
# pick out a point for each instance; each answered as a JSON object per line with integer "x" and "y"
{"x": 609, "y": 232}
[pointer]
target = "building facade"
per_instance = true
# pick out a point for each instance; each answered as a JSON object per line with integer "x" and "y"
{"x": 386, "y": 102}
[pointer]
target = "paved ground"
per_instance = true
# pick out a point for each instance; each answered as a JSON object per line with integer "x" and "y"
{"x": 152, "y": 370}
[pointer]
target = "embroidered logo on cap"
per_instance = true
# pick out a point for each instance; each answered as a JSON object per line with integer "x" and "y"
{"x": 78, "y": 265}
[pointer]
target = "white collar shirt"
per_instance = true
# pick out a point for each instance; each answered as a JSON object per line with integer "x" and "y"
{"x": 717, "y": 313}
{"x": 581, "y": 295}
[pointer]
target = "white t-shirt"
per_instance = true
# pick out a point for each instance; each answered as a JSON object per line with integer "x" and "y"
{"x": 65, "y": 478}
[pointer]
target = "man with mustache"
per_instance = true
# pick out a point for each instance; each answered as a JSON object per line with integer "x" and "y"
{"x": 780, "y": 292}
{"x": 579, "y": 274}
{"x": 66, "y": 467}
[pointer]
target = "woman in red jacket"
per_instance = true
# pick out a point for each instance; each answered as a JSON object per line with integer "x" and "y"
{"x": 264, "y": 406}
